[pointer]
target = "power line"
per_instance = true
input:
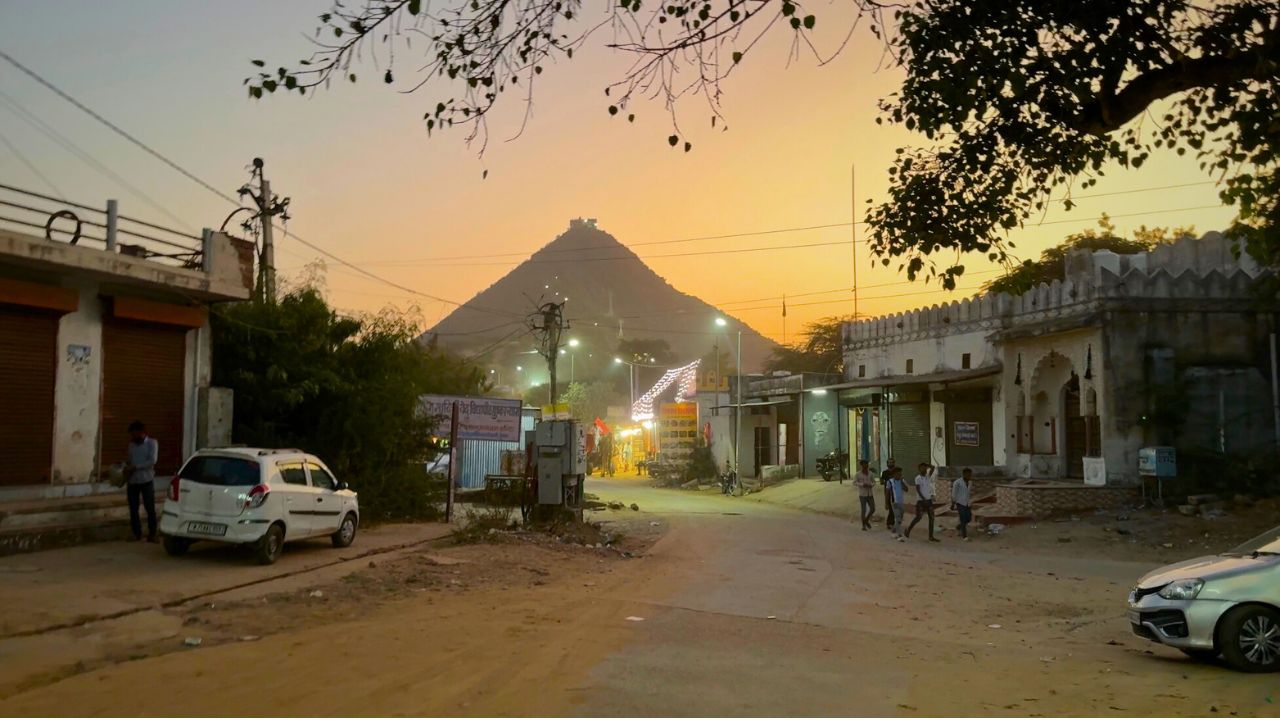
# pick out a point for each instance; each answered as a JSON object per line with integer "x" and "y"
{"x": 773, "y": 231}
{"x": 191, "y": 176}
{"x": 85, "y": 109}
{"x": 30, "y": 166}
{"x": 84, "y": 156}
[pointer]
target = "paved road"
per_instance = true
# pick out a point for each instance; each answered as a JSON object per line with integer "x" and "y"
{"x": 747, "y": 609}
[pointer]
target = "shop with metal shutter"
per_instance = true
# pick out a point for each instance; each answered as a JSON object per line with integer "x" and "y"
{"x": 968, "y": 426}
{"x": 909, "y": 428}
{"x": 28, "y": 372}
{"x": 143, "y": 370}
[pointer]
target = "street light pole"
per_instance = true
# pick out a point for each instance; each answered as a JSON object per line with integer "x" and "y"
{"x": 737, "y": 416}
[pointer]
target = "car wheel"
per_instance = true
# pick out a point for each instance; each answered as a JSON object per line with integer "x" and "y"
{"x": 269, "y": 547}
{"x": 176, "y": 546}
{"x": 1201, "y": 654}
{"x": 346, "y": 533}
{"x": 1249, "y": 638}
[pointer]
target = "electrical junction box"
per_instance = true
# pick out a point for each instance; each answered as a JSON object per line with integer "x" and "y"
{"x": 552, "y": 433}
{"x": 1159, "y": 461}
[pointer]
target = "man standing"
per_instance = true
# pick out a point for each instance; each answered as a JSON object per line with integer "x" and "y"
{"x": 866, "y": 493}
{"x": 140, "y": 473}
{"x": 960, "y": 501}
{"x": 885, "y": 477}
{"x": 897, "y": 491}
{"x": 924, "y": 501}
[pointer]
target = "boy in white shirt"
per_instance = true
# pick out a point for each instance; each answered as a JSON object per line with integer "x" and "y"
{"x": 924, "y": 501}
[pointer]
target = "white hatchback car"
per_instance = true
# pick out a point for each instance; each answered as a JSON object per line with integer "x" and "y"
{"x": 252, "y": 496}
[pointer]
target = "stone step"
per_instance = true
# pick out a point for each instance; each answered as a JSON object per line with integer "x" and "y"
{"x": 55, "y": 535}
{"x": 63, "y": 511}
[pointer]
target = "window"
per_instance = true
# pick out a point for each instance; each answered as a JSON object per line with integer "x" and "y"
{"x": 964, "y": 361}
{"x": 292, "y": 473}
{"x": 213, "y": 470}
{"x": 862, "y": 371}
{"x": 321, "y": 478}
{"x": 911, "y": 366}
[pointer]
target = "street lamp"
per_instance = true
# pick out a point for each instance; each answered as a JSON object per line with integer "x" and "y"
{"x": 631, "y": 375}
{"x": 737, "y": 410}
{"x": 573, "y": 356}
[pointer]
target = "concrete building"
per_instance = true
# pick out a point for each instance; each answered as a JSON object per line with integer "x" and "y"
{"x": 1068, "y": 381}
{"x": 104, "y": 320}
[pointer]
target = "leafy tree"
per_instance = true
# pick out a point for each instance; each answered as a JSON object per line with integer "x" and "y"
{"x": 822, "y": 350}
{"x": 1052, "y": 264}
{"x": 344, "y": 388}
{"x": 1026, "y": 97}
{"x": 1020, "y": 99}
{"x": 588, "y": 401}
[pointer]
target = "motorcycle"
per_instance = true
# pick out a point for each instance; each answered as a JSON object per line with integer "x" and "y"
{"x": 729, "y": 483}
{"x": 834, "y": 465}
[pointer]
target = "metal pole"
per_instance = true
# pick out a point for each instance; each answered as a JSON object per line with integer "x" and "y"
{"x": 853, "y": 230}
{"x": 453, "y": 463}
{"x": 737, "y": 422}
{"x": 113, "y": 219}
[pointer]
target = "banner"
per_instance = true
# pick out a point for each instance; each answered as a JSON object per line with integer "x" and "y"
{"x": 478, "y": 418}
{"x": 559, "y": 411}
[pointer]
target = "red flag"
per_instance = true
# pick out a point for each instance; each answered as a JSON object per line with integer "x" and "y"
{"x": 604, "y": 429}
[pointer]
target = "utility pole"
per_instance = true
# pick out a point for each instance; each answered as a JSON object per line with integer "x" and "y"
{"x": 548, "y": 323}
{"x": 268, "y": 206}
{"x": 853, "y": 230}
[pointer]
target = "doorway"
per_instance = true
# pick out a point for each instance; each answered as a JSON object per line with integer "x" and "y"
{"x": 1076, "y": 431}
{"x": 763, "y": 452}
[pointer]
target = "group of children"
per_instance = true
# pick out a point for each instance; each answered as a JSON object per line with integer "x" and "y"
{"x": 895, "y": 498}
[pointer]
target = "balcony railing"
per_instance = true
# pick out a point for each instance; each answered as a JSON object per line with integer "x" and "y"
{"x": 63, "y": 221}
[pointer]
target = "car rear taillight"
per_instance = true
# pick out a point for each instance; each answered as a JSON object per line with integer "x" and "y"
{"x": 173, "y": 488}
{"x": 257, "y": 496}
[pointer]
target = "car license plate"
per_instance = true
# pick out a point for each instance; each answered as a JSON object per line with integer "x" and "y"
{"x": 207, "y": 528}
{"x": 1135, "y": 617}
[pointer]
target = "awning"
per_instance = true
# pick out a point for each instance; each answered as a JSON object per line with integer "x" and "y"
{"x": 947, "y": 376}
{"x": 762, "y": 403}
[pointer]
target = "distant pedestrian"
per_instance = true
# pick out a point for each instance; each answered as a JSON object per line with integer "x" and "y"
{"x": 960, "y": 501}
{"x": 897, "y": 489}
{"x": 866, "y": 493}
{"x": 140, "y": 476}
{"x": 885, "y": 477}
{"x": 924, "y": 498}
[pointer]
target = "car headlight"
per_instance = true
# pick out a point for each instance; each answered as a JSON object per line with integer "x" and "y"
{"x": 1182, "y": 589}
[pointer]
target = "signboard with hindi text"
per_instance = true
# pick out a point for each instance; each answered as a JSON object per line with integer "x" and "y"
{"x": 965, "y": 434}
{"x": 478, "y": 418}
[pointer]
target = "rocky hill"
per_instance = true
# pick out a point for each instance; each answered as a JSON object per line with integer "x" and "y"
{"x": 611, "y": 295}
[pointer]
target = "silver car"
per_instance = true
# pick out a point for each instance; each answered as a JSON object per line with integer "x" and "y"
{"x": 1226, "y": 605}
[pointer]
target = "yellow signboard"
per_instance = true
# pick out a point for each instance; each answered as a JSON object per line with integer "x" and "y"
{"x": 559, "y": 411}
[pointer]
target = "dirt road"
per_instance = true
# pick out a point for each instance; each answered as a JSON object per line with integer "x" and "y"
{"x": 738, "y": 608}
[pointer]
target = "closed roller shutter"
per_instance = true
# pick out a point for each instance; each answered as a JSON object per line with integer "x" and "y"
{"x": 909, "y": 434}
{"x": 962, "y": 418}
{"x": 142, "y": 379}
{"x": 28, "y": 355}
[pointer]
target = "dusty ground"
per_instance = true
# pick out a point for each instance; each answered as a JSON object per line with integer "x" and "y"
{"x": 738, "y": 608}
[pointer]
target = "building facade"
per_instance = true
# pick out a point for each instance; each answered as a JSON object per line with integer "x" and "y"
{"x": 1068, "y": 381}
{"x": 104, "y": 320}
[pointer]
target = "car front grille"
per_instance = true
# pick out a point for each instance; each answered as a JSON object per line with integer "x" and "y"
{"x": 1139, "y": 593}
{"x": 1169, "y": 623}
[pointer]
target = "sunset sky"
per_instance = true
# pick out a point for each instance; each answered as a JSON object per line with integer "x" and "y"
{"x": 369, "y": 185}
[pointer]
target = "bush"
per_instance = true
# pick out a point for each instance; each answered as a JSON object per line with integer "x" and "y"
{"x": 405, "y": 495}
{"x": 346, "y": 389}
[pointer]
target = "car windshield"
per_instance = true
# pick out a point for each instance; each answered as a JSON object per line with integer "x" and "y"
{"x": 1268, "y": 543}
{"x": 214, "y": 470}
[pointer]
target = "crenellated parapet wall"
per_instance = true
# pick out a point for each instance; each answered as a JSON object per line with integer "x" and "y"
{"x": 1211, "y": 267}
